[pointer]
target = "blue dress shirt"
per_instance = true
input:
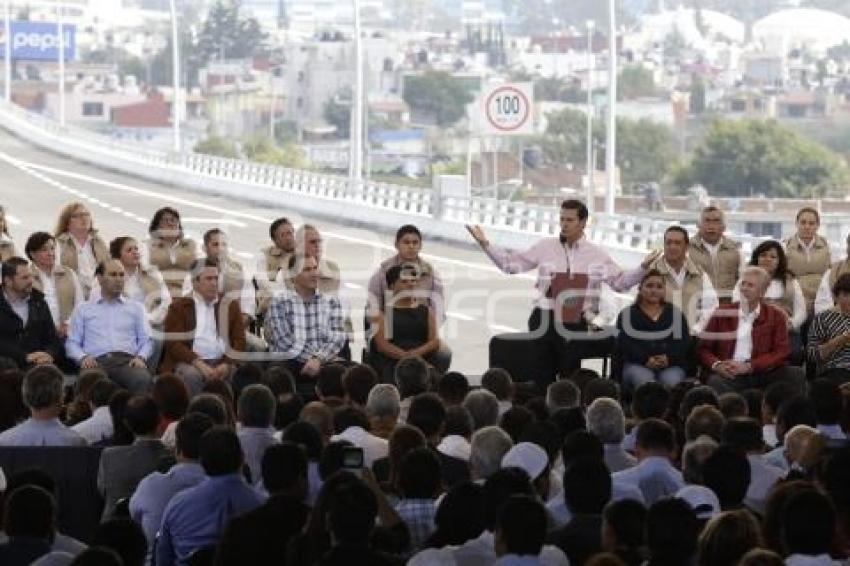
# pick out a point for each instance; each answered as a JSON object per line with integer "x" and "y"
{"x": 102, "y": 326}
{"x": 196, "y": 516}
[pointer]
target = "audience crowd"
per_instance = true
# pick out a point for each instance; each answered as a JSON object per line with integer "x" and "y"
{"x": 162, "y": 403}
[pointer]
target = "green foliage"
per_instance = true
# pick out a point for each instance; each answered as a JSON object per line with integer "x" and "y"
{"x": 438, "y": 94}
{"x": 337, "y": 111}
{"x": 135, "y": 67}
{"x": 739, "y": 158}
{"x": 262, "y": 149}
{"x": 645, "y": 149}
{"x": 635, "y": 81}
{"x": 226, "y": 34}
{"x": 218, "y": 146}
{"x": 559, "y": 90}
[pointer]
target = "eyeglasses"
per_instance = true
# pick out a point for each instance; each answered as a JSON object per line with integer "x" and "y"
{"x": 81, "y": 215}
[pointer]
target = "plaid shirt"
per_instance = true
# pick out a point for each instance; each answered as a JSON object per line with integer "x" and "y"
{"x": 418, "y": 514}
{"x": 299, "y": 329}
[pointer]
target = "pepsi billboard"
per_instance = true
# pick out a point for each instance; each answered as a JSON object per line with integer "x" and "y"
{"x": 38, "y": 41}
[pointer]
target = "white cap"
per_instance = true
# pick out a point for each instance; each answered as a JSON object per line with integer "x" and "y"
{"x": 527, "y": 456}
{"x": 702, "y": 500}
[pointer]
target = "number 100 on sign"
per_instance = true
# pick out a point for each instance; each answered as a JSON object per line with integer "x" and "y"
{"x": 507, "y": 110}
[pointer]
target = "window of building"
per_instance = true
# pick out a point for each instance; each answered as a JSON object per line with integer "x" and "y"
{"x": 92, "y": 108}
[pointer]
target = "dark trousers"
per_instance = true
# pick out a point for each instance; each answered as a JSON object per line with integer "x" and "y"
{"x": 560, "y": 347}
{"x": 838, "y": 375}
{"x": 791, "y": 374}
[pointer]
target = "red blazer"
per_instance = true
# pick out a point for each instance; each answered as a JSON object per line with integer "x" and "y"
{"x": 771, "y": 347}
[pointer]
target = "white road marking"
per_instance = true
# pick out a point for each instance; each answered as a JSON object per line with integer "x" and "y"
{"x": 460, "y": 316}
{"x": 220, "y": 221}
{"x": 503, "y": 328}
{"x": 350, "y": 285}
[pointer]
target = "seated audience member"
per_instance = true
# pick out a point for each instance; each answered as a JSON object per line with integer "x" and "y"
{"x": 27, "y": 333}
{"x": 702, "y": 500}
{"x": 671, "y": 533}
{"x": 419, "y": 484}
{"x": 202, "y": 337}
{"x": 498, "y": 489}
{"x": 261, "y": 536}
{"x": 694, "y": 455}
{"x": 623, "y": 530}
{"x": 520, "y": 531}
{"x": 484, "y": 408}
{"x": 459, "y": 517}
{"x": 125, "y": 537}
{"x": 761, "y": 557}
{"x": 60, "y": 285}
{"x": 78, "y": 244}
{"x": 457, "y": 434}
{"x": 406, "y": 327}
{"x": 272, "y": 260}
{"x": 534, "y": 461}
{"x": 792, "y": 413}
{"x": 42, "y": 392}
{"x": 606, "y": 421}
{"x": 773, "y": 397}
{"x": 829, "y": 404}
{"x": 563, "y": 394}
{"x": 598, "y": 387}
{"x": 453, "y": 388}
{"x": 123, "y": 467}
{"x": 143, "y": 285}
{"x": 211, "y": 405}
{"x": 304, "y": 326}
{"x": 357, "y": 382}
{"x": 745, "y": 435}
{"x": 808, "y": 529}
{"x": 7, "y": 245}
{"x": 328, "y": 386}
{"x": 412, "y": 378}
{"x": 727, "y": 538}
{"x": 654, "y": 473}
{"x": 29, "y": 520}
{"x": 653, "y": 337}
{"x": 808, "y": 253}
{"x": 487, "y": 449}
{"x": 352, "y": 425}
{"x": 828, "y": 335}
{"x": 428, "y": 414}
{"x": 98, "y": 426}
{"x": 733, "y": 406}
{"x": 498, "y": 382}
{"x": 169, "y": 249}
{"x": 516, "y": 420}
{"x": 382, "y": 407}
{"x": 79, "y": 408}
{"x": 746, "y": 344}
{"x": 587, "y": 489}
{"x": 195, "y": 518}
{"x": 255, "y": 415}
{"x": 155, "y": 491}
{"x": 704, "y": 420}
{"x": 112, "y": 333}
{"x": 172, "y": 398}
{"x": 650, "y": 401}
{"x": 727, "y": 473}
{"x": 403, "y": 439}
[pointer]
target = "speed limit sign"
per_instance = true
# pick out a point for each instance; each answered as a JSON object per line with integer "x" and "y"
{"x": 508, "y": 109}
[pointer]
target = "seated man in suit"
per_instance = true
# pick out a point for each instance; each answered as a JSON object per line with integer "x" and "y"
{"x": 123, "y": 467}
{"x": 745, "y": 345}
{"x": 200, "y": 333}
{"x": 304, "y": 326}
{"x": 27, "y": 333}
{"x": 112, "y": 332}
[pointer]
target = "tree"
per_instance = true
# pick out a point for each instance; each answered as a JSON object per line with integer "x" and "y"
{"x": 218, "y": 146}
{"x": 337, "y": 111}
{"x": 635, "y": 81}
{"x": 438, "y": 94}
{"x": 227, "y": 35}
{"x": 739, "y": 158}
{"x": 262, "y": 149}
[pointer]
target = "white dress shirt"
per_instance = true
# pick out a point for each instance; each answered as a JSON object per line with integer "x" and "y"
{"x": 207, "y": 343}
{"x": 247, "y": 295}
{"x": 654, "y": 476}
{"x": 744, "y": 338}
{"x": 374, "y": 448}
{"x": 776, "y": 291}
{"x": 824, "y": 299}
{"x": 97, "y": 427}
{"x": 763, "y": 477}
{"x": 133, "y": 290}
{"x": 480, "y": 552}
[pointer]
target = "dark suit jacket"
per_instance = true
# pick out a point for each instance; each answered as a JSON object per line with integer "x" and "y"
{"x": 262, "y": 535}
{"x": 123, "y": 467}
{"x": 181, "y": 319}
{"x": 39, "y": 334}
{"x": 21, "y": 551}
{"x": 580, "y": 539}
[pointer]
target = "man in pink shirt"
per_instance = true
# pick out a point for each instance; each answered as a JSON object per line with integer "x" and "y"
{"x": 562, "y": 345}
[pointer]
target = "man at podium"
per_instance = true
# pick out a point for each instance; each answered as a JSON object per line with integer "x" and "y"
{"x": 570, "y": 272}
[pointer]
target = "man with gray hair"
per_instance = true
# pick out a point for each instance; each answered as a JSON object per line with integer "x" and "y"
{"x": 42, "y": 392}
{"x": 412, "y": 378}
{"x": 382, "y": 407}
{"x": 606, "y": 421}
{"x": 255, "y": 412}
{"x": 483, "y": 406}
{"x": 745, "y": 344}
{"x": 563, "y": 394}
{"x": 489, "y": 445}
{"x": 718, "y": 256}
{"x": 694, "y": 456}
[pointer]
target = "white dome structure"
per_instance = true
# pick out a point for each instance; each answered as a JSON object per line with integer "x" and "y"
{"x": 657, "y": 27}
{"x": 819, "y": 29}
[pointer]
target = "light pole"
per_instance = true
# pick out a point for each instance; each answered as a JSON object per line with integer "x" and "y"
{"x": 7, "y": 10}
{"x": 61, "y": 29}
{"x": 591, "y": 190}
{"x": 175, "y": 73}
{"x": 611, "y": 138}
{"x": 355, "y": 164}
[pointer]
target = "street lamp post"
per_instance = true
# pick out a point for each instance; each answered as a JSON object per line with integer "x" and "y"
{"x": 356, "y": 156}
{"x": 7, "y": 11}
{"x": 175, "y": 72}
{"x": 611, "y": 138}
{"x": 61, "y": 29}
{"x": 591, "y": 190}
